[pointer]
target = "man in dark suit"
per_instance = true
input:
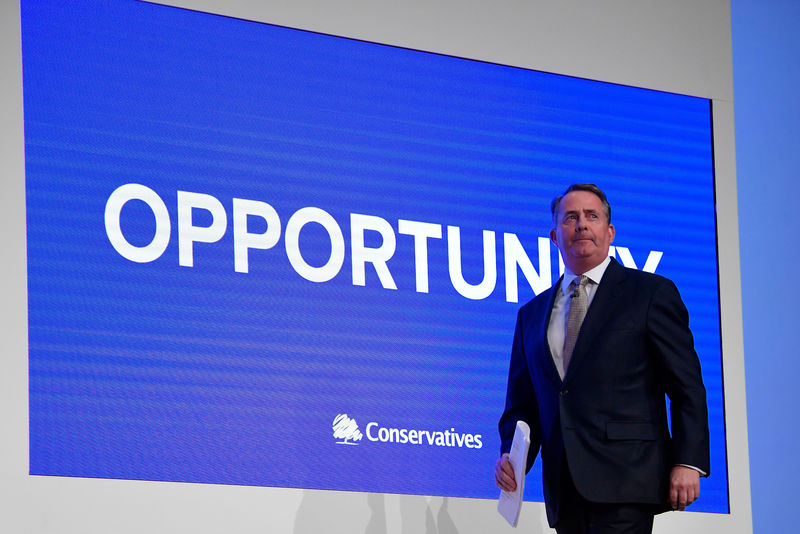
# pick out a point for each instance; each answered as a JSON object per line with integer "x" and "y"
{"x": 591, "y": 362}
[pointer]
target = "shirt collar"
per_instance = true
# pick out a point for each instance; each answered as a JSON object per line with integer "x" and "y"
{"x": 594, "y": 274}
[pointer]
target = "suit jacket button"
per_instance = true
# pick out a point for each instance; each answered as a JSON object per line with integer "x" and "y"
{"x": 564, "y": 393}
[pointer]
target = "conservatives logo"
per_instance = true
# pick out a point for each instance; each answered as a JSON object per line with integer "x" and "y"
{"x": 345, "y": 429}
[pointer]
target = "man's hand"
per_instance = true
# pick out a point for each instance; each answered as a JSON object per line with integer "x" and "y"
{"x": 684, "y": 486}
{"x": 504, "y": 474}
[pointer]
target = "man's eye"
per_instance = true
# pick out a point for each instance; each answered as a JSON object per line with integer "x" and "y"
{"x": 592, "y": 215}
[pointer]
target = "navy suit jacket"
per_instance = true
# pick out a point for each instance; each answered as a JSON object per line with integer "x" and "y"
{"x": 608, "y": 416}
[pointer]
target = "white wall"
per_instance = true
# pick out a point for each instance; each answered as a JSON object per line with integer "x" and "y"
{"x": 680, "y": 46}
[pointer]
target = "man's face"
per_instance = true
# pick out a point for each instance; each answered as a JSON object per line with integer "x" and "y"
{"x": 582, "y": 232}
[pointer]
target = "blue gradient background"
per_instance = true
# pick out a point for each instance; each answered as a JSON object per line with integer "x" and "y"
{"x": 766, "y": 74}
{"x": 160, "y": 372}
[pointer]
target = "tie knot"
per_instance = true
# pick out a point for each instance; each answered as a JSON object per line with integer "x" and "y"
{"x": 581, "y": 281}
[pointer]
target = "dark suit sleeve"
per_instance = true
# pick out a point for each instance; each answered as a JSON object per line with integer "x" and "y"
{"x": 520, "y": 399}
{"x": 668, "y": 327}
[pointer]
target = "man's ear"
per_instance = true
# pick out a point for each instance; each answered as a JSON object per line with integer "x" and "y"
{"x": 612, "y": 233}
{"x": 553, "y": 237}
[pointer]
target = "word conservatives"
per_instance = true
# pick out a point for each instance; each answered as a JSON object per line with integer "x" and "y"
{"x": 346, "y": 431}
{"x": 448, "y": 438}
{"x": 515, "y": 259}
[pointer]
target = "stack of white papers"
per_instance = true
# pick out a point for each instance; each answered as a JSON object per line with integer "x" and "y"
{"x": 510, "y": 502}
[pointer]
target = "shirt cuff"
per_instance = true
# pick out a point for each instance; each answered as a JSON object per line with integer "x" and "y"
{"x": 702, "y": 473}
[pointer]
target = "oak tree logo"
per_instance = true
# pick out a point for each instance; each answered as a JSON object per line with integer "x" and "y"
{"x": 346, "y": 430}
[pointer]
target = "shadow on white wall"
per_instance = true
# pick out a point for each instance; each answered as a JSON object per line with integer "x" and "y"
{"x": 335, "y": 512}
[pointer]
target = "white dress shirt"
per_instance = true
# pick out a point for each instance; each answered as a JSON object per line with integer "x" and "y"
{"x": 557, "y": 329}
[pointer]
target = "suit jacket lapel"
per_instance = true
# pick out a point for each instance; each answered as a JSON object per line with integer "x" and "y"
{"x": 549, "y": 365}
{"x": 601, "y": 309}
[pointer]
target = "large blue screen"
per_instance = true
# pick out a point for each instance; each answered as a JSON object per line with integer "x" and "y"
{"x": 264, "y": 256}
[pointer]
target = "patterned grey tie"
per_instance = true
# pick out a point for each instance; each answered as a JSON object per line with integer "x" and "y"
{"x": 578, "y": 304}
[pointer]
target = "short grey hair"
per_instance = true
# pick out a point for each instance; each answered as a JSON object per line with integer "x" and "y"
{"x": 591, "y": 188}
